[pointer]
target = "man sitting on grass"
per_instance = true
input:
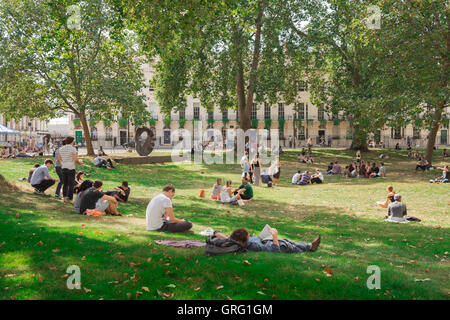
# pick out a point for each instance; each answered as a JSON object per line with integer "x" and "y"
{"x": 94, "y": 198}
{"x": 159, "y": 214}
{"x": 296, "y": 177}
{"x": 120, "y": 193}
{"x": 422, "y": 164}
{"x": 254, "y": 243}
{"x": 40, "y": 179}
{"x": 397, "y": 209}
{"x": 245, "y": 190}
{"x": 103, "y": 162}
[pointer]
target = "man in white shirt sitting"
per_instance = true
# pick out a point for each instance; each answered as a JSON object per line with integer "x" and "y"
{"x": 159, "y": 215}
{"x": 317, "y": 177}
{"x": 296, "y": 177}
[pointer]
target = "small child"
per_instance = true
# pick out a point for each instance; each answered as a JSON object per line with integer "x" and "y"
{"x": 217, "y": 188}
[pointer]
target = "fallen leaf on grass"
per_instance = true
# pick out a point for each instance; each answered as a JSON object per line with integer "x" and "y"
{"x": 412, "y": 261}
{"x": 165, "y": 295}
{"x": 146, "y": 289}
{"x": 422, "y": 280}
{"x": 17, "y": 215}
{"x": 328, "y": 272}
{"x": 149, "y": 259}
{"x": 129, "y": 295}
{"x": 83, "y": 225}
{"x": 86, "y": 290}
{"x": 138, "y": 294}
{"x": 261, "y": 293}
{"x": 64, "y": 276}
{"x": 55, "y": 250}
{"x": 197, "y": 289}
{"x": 40, "y": 243}
{"x": 2, "y": 244}
{"x": 274, "y": 297}
{"x": 171, "y": 286}
{"x": 356, "y": 278}
{"x": 246, "y": 262}
{"x": 219, "y": 287}
{"x": 10, "y": 275}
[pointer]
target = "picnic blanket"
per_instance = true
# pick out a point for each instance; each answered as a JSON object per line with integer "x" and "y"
{"x": 182, "y": 243}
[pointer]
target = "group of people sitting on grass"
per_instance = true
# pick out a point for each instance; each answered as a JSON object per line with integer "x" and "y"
{"x": 363, "y": 170}
{"x": 305, "y": 178}
{"x": 445, "y": 178}
{"x": 102, "y": 161}
{"x": 305, "y": 156}
{"x": 235, "y": 196}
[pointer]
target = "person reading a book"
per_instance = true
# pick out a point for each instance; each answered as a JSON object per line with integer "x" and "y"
{"x": 268, "y": 241}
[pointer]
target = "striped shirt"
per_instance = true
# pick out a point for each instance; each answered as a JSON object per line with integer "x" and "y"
{"x": 66, "y": 152}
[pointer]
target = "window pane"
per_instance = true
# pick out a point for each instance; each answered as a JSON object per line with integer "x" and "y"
{"x": 280, "y": 111}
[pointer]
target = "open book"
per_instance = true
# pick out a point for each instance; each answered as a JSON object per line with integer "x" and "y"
{"x": 265, "y": 233}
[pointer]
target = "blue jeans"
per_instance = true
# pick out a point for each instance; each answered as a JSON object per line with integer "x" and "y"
{"x": 60, "y": 183}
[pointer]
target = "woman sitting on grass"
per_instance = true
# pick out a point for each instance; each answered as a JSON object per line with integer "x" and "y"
{"x": 226, "y": 195}
{"x": 445, "y": 178}
{"x": 78, "y": 181}
{"x": 389, "y": 198}
{"x": 217, "y": 188}
{"x": 374, "y": 170}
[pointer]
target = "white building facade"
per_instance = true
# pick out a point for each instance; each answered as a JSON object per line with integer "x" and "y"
{"x": 295, "y": 123}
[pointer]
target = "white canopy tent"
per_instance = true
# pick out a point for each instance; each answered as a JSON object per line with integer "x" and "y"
{"x": 6, "y": 130}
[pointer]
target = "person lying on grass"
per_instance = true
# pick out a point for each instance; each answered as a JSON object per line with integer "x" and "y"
{"x": 254, "y": 243}
{"x": 120, "y": 193}
{"x": 389, "y": 198}
{"x": 226, "y": 196}
{"x": 159, "y": 215}
{"x": 245, "y": 190}
{"x": 40, "y": 179}
{"x": 94, "y": 198}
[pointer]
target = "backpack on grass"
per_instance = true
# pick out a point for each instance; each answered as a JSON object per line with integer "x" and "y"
{"x": 217, "y": 246}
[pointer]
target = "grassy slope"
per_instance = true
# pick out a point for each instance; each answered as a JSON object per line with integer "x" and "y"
{"x": 46, "y": 237}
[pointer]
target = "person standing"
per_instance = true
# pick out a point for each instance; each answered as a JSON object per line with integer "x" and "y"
{"x": 276, "y": 175}
{"x": 68, "y": 156}
{"x": 256, "y": 163}
{"x": 58, "y": 170}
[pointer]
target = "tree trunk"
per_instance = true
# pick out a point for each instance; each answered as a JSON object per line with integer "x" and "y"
{"x": 359, "y": 139}
{"x": 431, "y": 140}
{"x": 87, "y": 135}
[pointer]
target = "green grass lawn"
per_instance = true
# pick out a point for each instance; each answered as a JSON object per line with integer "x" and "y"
{"x": 41, "y": 236}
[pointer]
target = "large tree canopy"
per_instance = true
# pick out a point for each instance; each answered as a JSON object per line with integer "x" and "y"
{"x": 56, "y": 59}
{"x": 415, "y": 38}
{"x": 227, "y": 53}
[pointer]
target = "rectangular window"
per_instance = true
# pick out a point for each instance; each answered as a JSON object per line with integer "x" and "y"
{"x": 182, "y": 114}
{"x": 225, "y": 114}
{"x": 196, "y": 111}
{"x": 302, "y": 86}
{"x": 254, "y": 112}
{"x": 416, "y": 133}
{"x": 300, "y": 108}
{"x": 306, "y": 111}
{"x": 321, "y": 113}
{"x": 211, "y": 115}
{"x": 266, "y": 111}
{"x": 397, "y": 133}
{"x": 301, "y": 133}
{"x": 280, "y": 111}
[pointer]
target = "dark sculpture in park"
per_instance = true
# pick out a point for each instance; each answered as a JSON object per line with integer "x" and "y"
{"x": 145, "y": 141}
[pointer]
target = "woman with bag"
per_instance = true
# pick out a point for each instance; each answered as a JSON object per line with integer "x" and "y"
{"x": 256, "y": 164}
